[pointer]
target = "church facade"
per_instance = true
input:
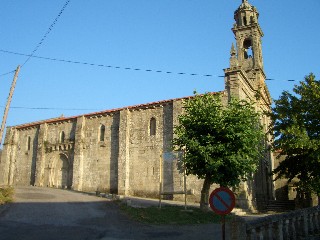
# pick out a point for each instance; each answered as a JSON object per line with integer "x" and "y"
{"x": 119, "y": 151}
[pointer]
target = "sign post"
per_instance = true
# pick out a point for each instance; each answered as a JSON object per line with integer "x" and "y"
{"x": 222, "y": 201}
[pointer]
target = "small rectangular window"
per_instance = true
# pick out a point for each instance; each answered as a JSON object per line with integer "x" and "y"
{"x": 102, "y": 133}
{"x": 29, "y": 143}
{"x": 62, "y": 137}
{"x": 153, "y": 126}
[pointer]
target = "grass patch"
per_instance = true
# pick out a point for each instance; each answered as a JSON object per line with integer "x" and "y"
{"x": 170, "y": 215}
{"x": 6, "y": 195}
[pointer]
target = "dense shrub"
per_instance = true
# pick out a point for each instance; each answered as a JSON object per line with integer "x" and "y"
{"x": 6, "y": 194}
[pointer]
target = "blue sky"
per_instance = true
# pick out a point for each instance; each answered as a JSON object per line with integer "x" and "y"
{"x": 177, "y": 36}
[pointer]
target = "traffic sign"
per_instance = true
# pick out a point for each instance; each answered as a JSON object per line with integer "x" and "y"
{"x": 222, "y": 201}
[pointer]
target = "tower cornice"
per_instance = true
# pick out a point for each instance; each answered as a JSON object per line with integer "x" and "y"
{"x": 247, "y": 27}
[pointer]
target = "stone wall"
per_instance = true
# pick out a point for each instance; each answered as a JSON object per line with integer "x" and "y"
{"x": 299, "y": 224}
{"x": 145, "y": 149}
{"x": 19, "y": 157}
{"x": 281, "y": 185}
{"x": 98, "y": 153}
{"x": 71, "y": 153}
{"x": 118, "y": 151}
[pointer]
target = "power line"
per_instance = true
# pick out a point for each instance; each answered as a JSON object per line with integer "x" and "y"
{"x": 7, "y": 73}
{"x": 52, "y": 108}
{"x": 105, "y": 65}
{"x": 119, "y": 67}
{"x": 47, "y": 33}
{"x": 288, "y": 80}
{"x": 93, "y": 64}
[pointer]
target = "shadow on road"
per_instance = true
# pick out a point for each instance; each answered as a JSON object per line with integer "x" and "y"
{"x": 44, "y": 213}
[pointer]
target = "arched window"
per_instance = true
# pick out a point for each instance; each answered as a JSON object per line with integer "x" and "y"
{"x": 102, "y": 132}
{"x": 62, "y": 137}
{"x": 245, "y": 20}
{"x": 29, "y": 143}
{"x": 248, "y": 49}
{"x": 153, "y": 126}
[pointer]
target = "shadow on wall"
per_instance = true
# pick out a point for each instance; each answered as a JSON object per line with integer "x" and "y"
{"x": 34, "y": 158}
{"x": 282, "y": 193}
{"x": 114, "y": 154}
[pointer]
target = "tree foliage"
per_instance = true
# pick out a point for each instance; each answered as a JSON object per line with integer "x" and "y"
{"x": 222, "y": 143}
{"x": 296, "y": 125}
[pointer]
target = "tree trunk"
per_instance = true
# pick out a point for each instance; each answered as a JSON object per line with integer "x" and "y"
{"x": 204, "y": 203}
{"x": 318, "y": 199}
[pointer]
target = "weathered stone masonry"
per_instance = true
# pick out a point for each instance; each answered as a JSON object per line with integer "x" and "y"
{"x": 69, "y": 152}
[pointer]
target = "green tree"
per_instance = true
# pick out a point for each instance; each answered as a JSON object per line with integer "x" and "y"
{"x": 222, "y": 143}
{"x": 296, "y": 126}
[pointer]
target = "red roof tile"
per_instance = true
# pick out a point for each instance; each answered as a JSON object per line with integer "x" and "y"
{"x": 62, "y": 119}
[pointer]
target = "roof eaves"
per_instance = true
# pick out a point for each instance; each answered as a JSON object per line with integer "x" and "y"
{"x": 139, "y": 106}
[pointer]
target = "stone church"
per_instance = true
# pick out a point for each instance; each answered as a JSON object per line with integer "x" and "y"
{"x": 119, "y": 151}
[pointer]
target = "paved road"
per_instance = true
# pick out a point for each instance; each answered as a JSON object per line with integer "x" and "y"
{"x": 54, "y": 214}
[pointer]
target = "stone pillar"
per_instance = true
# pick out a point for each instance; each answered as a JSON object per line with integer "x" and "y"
{"x": 79, "y": 146}
{"x": 8, "y": 157}
{"x": 311, "y": 223}
{"x": 316, "y": 221}
{"x": 293, "y": 232}
{"x": 269, "y": 231}
{"x": 286, "y": 228}
{"x": 124, "y": 153}
{"x": 305, "y": 227}
{"x": 253, "y": 234}
{"x": 261, "y": 232}
{"x": 238, "y": 229}
{"x": 41, "y": 155}
{"x": 279, "y": 231}
{"x": 232, "y": 82}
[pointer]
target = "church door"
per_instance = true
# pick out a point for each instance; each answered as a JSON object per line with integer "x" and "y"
{"x": 61, "y": 172}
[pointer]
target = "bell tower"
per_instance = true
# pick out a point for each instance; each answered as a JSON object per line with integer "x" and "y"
{"x": 248, "y": 35}
{"x": 245, "y": 79}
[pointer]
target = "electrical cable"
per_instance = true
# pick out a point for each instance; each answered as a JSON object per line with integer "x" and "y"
{"x": 47, "y": 33}
{"x": 52, "y": 108}
{"x": 7, "y": 73}
{"x": 104, "y": 65}
{"x": 119, "y": 67}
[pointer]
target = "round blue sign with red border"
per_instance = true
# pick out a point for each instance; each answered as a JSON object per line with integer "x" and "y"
{"x": 222, "y": 201}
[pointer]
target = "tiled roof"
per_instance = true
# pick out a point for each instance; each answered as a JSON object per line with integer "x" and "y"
{"x": 63, "y": 119}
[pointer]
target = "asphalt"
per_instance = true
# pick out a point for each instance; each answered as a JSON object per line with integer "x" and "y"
{"x": 46, "y": 213}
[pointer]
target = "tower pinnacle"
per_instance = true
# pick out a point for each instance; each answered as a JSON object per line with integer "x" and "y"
{"x": 233, "y": 58}
{"x": 233, "y": 50}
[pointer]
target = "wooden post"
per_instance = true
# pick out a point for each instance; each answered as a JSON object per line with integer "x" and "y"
{"x": 160, "y": 182}
{"x": 6, "y": 110}
{"x": 185, "y": 180}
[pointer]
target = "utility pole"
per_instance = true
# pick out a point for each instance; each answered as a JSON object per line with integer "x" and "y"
{"x": 6, "y": 110}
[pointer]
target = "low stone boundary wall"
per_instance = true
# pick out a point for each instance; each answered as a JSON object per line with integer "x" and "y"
{"x": 299, "y": 224}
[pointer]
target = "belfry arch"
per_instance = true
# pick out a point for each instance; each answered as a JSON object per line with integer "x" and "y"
{"x": 248, "y": 48}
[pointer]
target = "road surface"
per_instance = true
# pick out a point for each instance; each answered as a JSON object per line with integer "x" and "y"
{"x": 55, "y": 214}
